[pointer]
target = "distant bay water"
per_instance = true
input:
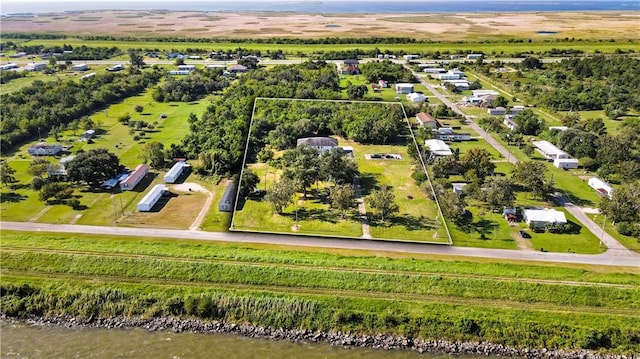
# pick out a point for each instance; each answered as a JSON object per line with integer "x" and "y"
{"x": 326, "y": 6}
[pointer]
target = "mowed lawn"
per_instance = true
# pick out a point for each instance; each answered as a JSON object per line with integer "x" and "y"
{"x": 417, "y": 218}
{"x": 310, "y": 215}
{"x": 99, "y": 207}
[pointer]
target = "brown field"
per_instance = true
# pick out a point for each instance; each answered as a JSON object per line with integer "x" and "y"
{"x": 441, "y": 27}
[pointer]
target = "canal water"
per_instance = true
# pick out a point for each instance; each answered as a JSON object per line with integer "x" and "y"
{"x": 18, "y": 340}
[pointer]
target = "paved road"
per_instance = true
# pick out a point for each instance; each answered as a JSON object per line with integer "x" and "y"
{"x": 606, "y": 238}
{"x": 608, "y": 258}
{"x": 500, "y": 148}
{"x": 612, "y": 244}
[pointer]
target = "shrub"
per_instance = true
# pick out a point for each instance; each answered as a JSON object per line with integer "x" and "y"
{"x": 629, "y": 229}
{"x": 596, "y": 340}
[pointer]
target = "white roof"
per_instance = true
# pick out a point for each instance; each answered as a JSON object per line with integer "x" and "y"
{"x": 478, "y": 93}
{"x": 151, "y": 195}
{"x": 416, "y": 97}
{"x": 438, "y": 147}
{"x": 596, "y": 182}
{"x": 404, "y": 85}
{"x": 559, "y": 128}
{"x": 548, "y": 215}
{"x": 548, "y": 148}
{"x": 176, "y": 169}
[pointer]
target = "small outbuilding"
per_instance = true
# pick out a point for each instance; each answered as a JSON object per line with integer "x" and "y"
{"x": 228, "y": 198}
{"x": 174, "y": 173}
{"x": 151, "y": 198}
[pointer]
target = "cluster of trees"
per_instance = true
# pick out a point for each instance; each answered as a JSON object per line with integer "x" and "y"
{"x": 386, "y": 70}
{"x": 600, "y": 82}
{"x": 303, "y": 166}
{"x": 197, "y": 84}
{"x": 79, "y": 53}
{"x": 280, "y": 123}
{"x": 218, "y": 137}
{"x": 39, "y": 107}
{"x": 623, "y": 209}
{"x": 615, "y": 157}
{"x": 6, "y": 76}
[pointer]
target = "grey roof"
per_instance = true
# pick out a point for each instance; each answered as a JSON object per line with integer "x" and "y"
{"x": 229, "y": 195}
{"x": 317, "y": 142}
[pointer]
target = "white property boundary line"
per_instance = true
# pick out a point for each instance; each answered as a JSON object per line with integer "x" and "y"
{"x": 413, "y": 138}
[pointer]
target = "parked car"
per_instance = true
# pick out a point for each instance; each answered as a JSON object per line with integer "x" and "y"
{"x": 524, "y": 234}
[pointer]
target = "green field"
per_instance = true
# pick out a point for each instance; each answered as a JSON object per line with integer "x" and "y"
{"x": 359, "y": 292}
{"x": 104, "y": 207}
{"x": 453, "y": 47}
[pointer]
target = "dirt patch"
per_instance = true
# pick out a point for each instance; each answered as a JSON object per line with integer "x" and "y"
{"x": 188, "y": 187}
{"x": 523, "y": 244}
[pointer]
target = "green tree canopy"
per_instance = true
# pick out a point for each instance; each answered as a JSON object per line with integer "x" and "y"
{"x": 382, "y": 200}
{"x": 94, "y": 166}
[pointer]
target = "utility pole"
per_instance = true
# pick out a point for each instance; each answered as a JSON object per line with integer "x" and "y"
{"x": 604, "y": 222}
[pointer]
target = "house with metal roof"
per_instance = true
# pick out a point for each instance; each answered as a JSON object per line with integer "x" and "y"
{"x": 151, "y": 198}
{"x": 438, "y": 148}
{"x": 228, "y": 198}
{"x": 543, "y": 217}
{"x": 322, "y": 144}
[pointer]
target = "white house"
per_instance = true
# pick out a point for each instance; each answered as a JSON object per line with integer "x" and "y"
{"x": 80, "y": 67}
{"x": 151, "y": 198}
{"x": 458, "y": 188}
{"x": 549, "y": 150}
{"x": 602, "y": 187}
{"x": 134, "y": 177}
{"x": 543, "y": 217}
{"x": 517, "y": 109}
{"x": 88, "y": 76}
{"x": 498, "y": 111}
{"x": 35, "y": 66}
{"x": 434, "y": 70}
{"x": 446, "y": 76}
{"x": 61, "y": 170}
{"x": 416, "y": 97}
{"x": 474, "y": 56}
{"x": 9, "y": 66}
{"x": 460, "y": 84}
{"x": 509, "y": 122}
{"x": 44, "y": 149}
{"x": 565, "y": 163}
{"x": 322, "y": 144}
{"x": 404, "y": 88}
{"x": 174, "y": 173}
{"x": 438, "y": 148}
{"x": 559, "y": 128}
{"x": 447, "y": 134}
{"x": 86, "y": 135}
{"x": 237, "y": 69}
{"x": 186, "y": 67}
{"x": 411, "y": 57}
{"x": 179, "y": 72}
{"x": 478, "y": 93}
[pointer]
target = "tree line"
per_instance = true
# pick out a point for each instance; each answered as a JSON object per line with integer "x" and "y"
{"x": 199, "y": 83}
{"x": 218, "y": 137}
{"x": 39, "y": 107}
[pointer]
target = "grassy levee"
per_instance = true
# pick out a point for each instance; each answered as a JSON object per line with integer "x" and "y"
{"x": 526, "y": 305}
{"x": 484, "y": 47}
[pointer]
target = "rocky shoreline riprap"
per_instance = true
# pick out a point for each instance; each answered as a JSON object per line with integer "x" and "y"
{"x": 380, "y": 341}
